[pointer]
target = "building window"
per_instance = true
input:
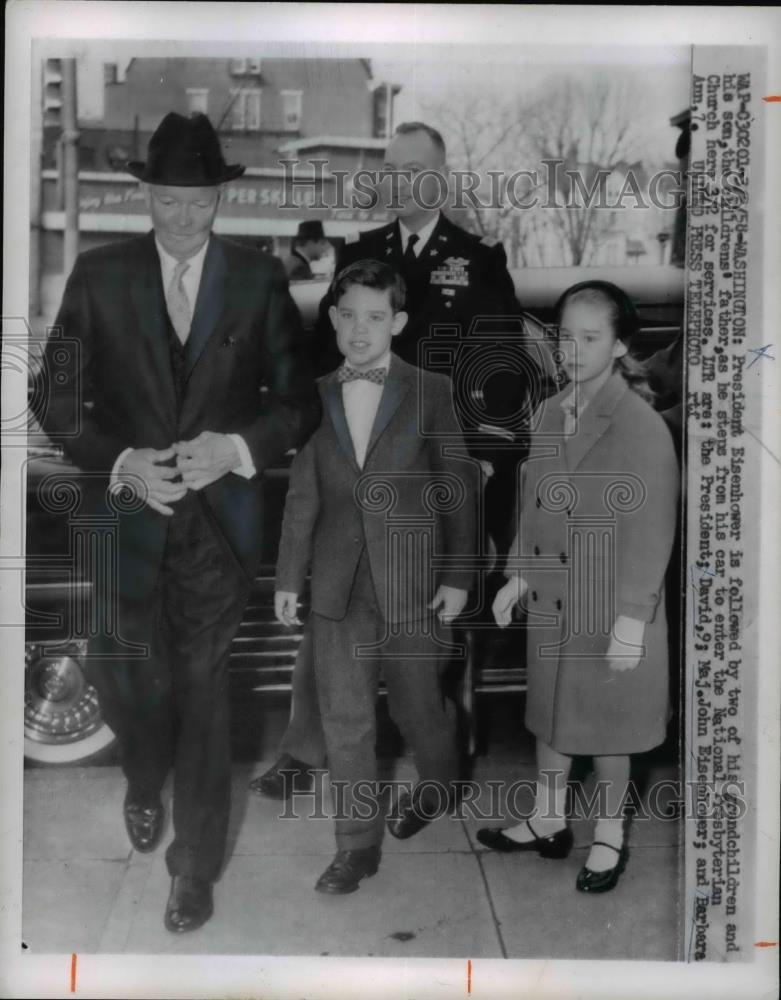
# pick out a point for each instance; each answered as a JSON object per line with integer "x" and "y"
{"x": 382, "y": 112}
{"x": 245, "y": 67}
{"x": 291, "y": 110}
{"x": 198, "y": 100}
{"x": 245, "y": 110}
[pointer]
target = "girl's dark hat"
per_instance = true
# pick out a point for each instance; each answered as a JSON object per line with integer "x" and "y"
{"x": 185, "y": 152}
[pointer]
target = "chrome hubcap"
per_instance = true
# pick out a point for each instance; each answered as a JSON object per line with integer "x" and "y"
{"x": 59, "y": 705}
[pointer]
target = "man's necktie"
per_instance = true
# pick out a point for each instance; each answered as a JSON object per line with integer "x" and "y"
{"x": 348, "y": 374}
{"x": 410, "y": 257}
{"x": 178, "y": 304}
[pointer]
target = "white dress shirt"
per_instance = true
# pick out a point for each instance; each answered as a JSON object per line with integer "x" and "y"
{"x": 361, "y": 399}
{"x": 191, "y": 280}
{"x": 573, "y": 408}
{"x": 423, "y": 235}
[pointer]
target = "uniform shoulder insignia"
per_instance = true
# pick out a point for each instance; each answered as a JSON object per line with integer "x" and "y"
{"x": 352, "y": 238}
{"x": 489, "y": 241}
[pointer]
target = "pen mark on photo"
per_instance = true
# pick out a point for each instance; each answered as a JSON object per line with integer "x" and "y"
{"x": 766, "y": 944}
{"x": 73, "y": 973}
{"x": 469, "y": 975}
{"x": 772, "y": 99}
{"x": 759, "y": 352}
{"x": 760, "y": 442}
{"x": 698, "y": 895}
{"x": 402, "y": 935}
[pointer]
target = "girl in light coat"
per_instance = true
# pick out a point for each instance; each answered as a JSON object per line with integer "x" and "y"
{"x": 597, "y": 521}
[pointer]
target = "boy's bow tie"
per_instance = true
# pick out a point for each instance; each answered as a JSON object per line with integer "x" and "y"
{"x": 349, "y": 374}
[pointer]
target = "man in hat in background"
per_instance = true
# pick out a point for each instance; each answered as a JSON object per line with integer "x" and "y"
{"x": 309, "y": 244}
{"x": 188, "y": 378}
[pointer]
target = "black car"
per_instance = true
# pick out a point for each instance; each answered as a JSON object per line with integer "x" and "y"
{"x": 62, "y": 719}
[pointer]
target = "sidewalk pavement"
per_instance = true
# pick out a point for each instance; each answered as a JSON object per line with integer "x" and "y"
{"x": 439, "y": 894}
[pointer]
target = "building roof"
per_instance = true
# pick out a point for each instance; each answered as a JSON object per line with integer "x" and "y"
{"x": 334, "y": 142}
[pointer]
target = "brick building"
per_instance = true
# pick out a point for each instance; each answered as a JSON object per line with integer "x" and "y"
{"x": 265, "y": 110}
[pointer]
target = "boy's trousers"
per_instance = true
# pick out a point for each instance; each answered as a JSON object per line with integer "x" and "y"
{"x": 411, "y": 659}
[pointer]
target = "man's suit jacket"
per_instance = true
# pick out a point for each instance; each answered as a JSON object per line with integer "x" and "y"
{"x": 416, "y": 480}
{"x": 459, "y": 281}
{"x": 298, "y": 267}
{"x": 111, "y": 384}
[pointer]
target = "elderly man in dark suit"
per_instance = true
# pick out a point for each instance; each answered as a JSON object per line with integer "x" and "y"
{"x": 181, "y": 376}
{"x": 454, "y": 279}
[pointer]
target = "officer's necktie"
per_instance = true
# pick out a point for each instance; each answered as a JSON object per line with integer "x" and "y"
{"x": 178, "y": 304}
{"x": 410, "y": 257}
{"x": 349, "y": 374}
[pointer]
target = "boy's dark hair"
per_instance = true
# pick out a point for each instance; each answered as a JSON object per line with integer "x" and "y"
{"x": 406, "y": 127}
{"x": 371, "y": 274}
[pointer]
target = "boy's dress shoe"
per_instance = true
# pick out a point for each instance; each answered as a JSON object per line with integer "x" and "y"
{"x": 347, "y": 869}
{"x": 189, "y": 905}
{"x": 591, "y": 881}
{"x": 143, "y": 821}
{"x": 282, "y": 778}
{"x": 409, "y": 816}
{"x": 557, "y": 845}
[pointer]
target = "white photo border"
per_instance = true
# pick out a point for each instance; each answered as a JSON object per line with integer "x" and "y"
{"x": 194, "y": 29}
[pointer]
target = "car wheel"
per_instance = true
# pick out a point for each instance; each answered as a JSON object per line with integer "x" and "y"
{"x": 62, "y": 719}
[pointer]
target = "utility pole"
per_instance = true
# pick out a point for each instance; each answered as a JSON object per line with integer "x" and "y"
{"x": 36, "y": 181}
{"x": 70, "y": 165}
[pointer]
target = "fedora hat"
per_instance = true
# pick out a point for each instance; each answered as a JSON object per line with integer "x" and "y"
{"x": 185, "y": 152}
{"x": 310, "y": 229}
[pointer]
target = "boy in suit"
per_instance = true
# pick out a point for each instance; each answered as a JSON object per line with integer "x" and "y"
{"x": 453, "y": 278}
{"x": 373, "y": 495}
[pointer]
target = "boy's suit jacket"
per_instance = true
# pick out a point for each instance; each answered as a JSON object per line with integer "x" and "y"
{"x": 459, "y": 283}
{"x": 416, "y": 481}
{"x": 111, "y": 384}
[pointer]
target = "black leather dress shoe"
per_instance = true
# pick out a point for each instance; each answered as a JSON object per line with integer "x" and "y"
{"x": 557, "y": 845}
{"x": 287, "y": 775}
{"x": 408, "y": 817}
{"x": 347, "y": 869}
{"x": 189, "y": 905}
{"x": 144, "y": 822}
{"x": 591, "y": 881}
